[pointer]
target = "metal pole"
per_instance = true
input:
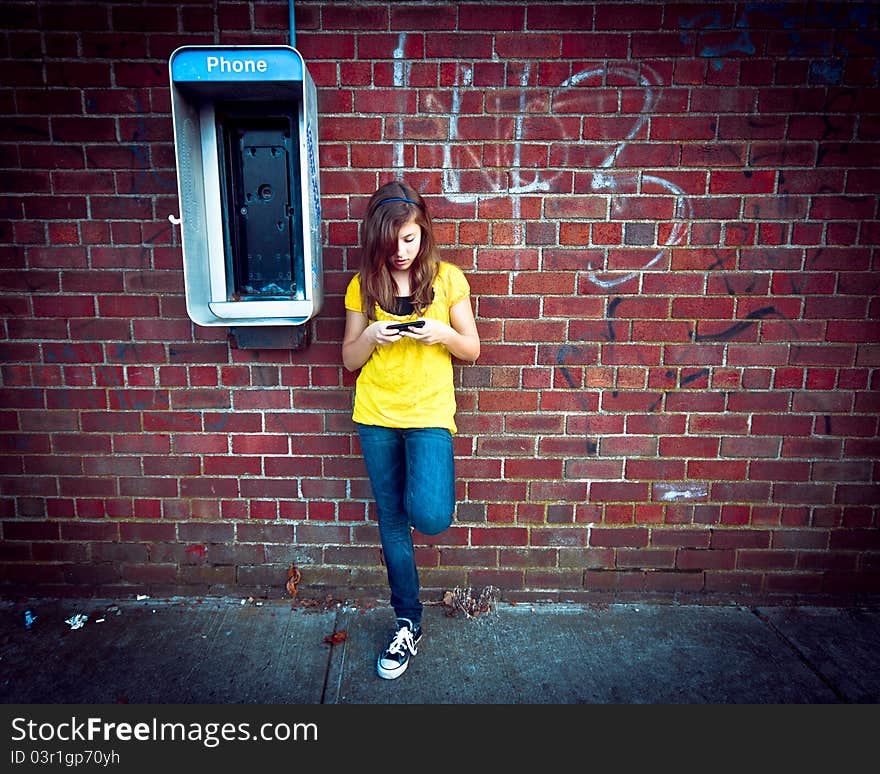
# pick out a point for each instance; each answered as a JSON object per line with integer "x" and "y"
{"x": 292, "y": 24}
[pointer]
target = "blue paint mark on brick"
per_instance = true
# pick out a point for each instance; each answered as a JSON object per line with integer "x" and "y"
{"x": 826, "y": 71}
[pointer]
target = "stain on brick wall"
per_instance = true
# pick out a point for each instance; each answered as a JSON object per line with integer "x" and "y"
{"x": 668, "y": 214}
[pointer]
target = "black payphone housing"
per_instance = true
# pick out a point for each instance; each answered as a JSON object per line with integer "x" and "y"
{"x": 259, "y": 170}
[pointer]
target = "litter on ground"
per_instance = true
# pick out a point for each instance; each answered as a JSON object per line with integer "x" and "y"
{"x": 77, "y": 621}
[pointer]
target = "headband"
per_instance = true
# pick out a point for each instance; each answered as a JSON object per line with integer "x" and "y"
{"x": 399, "y": 199}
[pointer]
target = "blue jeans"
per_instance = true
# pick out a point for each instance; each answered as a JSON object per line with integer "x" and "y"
{"x": 412, "y": 474}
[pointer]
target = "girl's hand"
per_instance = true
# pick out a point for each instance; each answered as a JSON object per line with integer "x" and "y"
{"x": 433, "y": 332}
{"x": 379, "y": 334}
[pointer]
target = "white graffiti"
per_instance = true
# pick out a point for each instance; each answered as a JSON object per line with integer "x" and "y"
{"x": 604, "y": 180}
{"x": 669, "y": 492}
{"x": 402, "y": 70}
{"x": 452, "y": 177}
{"x": 536, "y": 184}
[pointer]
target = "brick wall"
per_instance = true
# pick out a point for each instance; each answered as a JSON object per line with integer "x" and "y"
{"x": 668, "y": 214}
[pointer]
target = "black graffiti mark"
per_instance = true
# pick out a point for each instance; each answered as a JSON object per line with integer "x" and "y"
{"x": 612, "y": 308}
{"x": 68, "y": 355}
{"x": 812, "y": 261}
{"x": 693, "y": 377}
{"x": 592, "y": 445}
{"x": 824, "y": 188}
{"x": 109, "y": 375}
{"x": 30, "y": 281}
{"x": 682, "y": 382}
{"x": 754, "y": 123}
{"x": 129, "y": 402}
{"x": 220, "y": 424}
{"x": 147, "y": 244}
{"x": 129, "y": 352}
{"x": 827, "y": 425}
{"x": 23, "y": 129}
{"x": 160, "y": 232}
{"x": 731, "y": 291}
{"x": 824, "y": 150}
{"x": 780, "y": 153}
{"x": 731, "y": 151}
{"x": 560, "y": 361}
{"x": 849, "y": 95}
{"x": 857, "y": 199}
{"x": 728, "y": 333}
{"x": 795, "y": 287}
{"x": 747, "y": 289}
{"x": 719, "y": 260}
{"x": 144, "y": 256}
{"x": 671, "y": 375}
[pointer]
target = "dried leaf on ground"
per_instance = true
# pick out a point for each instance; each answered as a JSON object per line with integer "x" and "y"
{"x": 316, "y": 605}
{"x": 463, "y": 599}
{"x": 336, "y": 637}
{"x": 294, "y": 576}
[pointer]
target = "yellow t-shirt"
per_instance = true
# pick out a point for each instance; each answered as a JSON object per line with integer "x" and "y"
{"x": 407, "y": 383}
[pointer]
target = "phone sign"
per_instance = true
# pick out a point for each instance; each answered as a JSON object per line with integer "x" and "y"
{"x": 237, "y": 64}
{"x": 225, "y": 65}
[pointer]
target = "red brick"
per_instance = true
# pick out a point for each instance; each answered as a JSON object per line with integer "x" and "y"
{"x": 458, "y": 46}
{"x": 726, "y": 182}
{"x": 494, "y": 491}
{"x": 500, "y": 536}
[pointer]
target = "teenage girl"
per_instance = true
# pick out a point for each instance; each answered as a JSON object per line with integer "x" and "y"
{"x": 404, "y": 402}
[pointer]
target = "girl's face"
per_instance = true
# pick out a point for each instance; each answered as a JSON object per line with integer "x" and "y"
{"x": 409, "y": 240}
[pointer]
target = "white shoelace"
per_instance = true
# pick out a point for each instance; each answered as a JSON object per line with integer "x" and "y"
{"x": 403, "y": 639}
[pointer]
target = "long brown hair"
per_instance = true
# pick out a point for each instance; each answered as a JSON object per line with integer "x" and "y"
{"x": 389, "y": 209}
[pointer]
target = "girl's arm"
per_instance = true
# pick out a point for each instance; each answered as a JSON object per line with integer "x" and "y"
{"x": 465, "y": 345}
{"x": 460, "y": 337}
{"x": 361, "y": 338}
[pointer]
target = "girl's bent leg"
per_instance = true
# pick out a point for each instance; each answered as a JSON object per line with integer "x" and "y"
{"x": 430, "y": 479}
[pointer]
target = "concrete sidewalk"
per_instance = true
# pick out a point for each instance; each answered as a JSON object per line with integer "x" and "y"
{"x": 223, "y": 651}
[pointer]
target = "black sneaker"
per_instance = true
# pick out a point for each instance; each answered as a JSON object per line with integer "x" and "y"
{"x": 394, "y": 660}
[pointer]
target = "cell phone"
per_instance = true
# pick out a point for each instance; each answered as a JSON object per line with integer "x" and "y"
{"x": 405, "y": 326}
